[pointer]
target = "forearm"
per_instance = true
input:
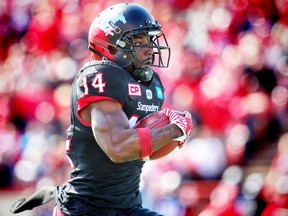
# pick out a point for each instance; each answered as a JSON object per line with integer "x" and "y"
{"x": 164, "y": 135}
{"x": 125, "y": 144}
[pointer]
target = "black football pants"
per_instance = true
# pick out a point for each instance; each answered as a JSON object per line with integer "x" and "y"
{"x": 137, "y": 211}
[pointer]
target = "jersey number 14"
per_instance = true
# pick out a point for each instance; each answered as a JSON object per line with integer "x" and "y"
{"x": 97, "y": 83}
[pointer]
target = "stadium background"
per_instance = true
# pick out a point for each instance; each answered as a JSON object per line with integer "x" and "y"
{"x": 228, "y": 68}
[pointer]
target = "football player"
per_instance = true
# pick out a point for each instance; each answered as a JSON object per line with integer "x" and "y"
{"x": 109, "y": 95}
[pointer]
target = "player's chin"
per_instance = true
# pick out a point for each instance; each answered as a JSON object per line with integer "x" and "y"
{"x": 148, "y": 63}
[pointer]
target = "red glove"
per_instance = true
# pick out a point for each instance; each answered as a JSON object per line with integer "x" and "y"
{"x": 183, "y": 120}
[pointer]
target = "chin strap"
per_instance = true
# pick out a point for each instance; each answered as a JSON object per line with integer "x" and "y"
{"x": 143, "y": 74}
{"x": 41, "y": 197}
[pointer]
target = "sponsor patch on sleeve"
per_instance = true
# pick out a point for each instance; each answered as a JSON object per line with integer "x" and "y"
{"x": 134, "y": 89}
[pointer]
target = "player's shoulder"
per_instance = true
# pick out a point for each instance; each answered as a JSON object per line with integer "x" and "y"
{"x": 102, "y": 66}
{"x": 156, "y": 76}
{"x": 157, "y": 80}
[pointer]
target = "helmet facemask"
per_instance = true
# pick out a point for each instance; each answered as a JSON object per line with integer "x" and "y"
{"x": 156, "y": 42}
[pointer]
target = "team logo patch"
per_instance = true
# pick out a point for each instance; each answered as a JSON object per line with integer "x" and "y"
{"x": 134, "y": 89}
{"x": 149, "y": 94}
{"x": 159, "y": 92}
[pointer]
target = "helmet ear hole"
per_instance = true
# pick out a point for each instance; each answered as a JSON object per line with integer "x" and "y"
{"x": 112, "y": 50}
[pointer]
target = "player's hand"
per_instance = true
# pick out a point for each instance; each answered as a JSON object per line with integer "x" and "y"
{"x": 183, "y": 120}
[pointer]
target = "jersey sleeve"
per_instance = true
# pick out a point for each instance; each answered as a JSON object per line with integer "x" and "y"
{"x": 100, "y": 83}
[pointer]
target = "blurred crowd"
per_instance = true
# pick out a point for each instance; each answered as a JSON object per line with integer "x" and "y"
{"x": 229, "y": 68}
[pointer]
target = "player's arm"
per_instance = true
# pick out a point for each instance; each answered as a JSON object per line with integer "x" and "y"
{"x": 111, "y": 130}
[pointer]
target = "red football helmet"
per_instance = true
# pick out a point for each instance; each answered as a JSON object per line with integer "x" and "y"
{"x": 113, "y": 29}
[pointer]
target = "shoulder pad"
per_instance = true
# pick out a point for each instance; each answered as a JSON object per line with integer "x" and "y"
{"x": 102, "y": 62}
{"x": 156, "y": 76}
{"x": 89, "y": 64}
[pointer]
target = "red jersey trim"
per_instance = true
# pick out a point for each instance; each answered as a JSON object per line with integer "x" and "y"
{"x": 83, "y": 102}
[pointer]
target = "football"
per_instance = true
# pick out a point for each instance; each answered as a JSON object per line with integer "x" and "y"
{"x": 157, "y": 120}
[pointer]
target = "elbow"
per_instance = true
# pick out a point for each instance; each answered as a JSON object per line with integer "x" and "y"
{"x": 121, "y": 155}
{"x": 116, "y": 155}
{"x": 115, "y": 158}
{"x": 119, "y": 151}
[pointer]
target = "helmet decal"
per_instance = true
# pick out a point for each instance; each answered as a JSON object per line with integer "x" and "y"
{"x": 109, "y": 27}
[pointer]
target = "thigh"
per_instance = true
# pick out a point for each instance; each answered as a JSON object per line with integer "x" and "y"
{"x": 139, "y": 211}
{"x": 123, "y": 212}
